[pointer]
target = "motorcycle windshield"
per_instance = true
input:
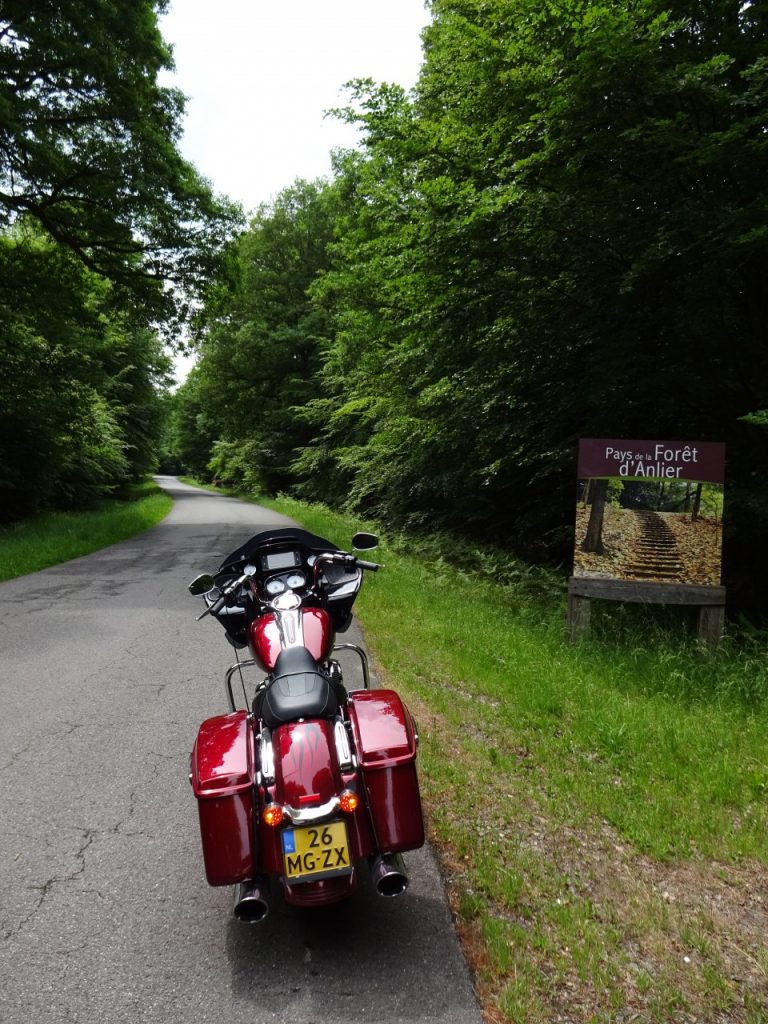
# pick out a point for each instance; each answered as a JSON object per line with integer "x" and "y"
{"x": 248, "y": 551}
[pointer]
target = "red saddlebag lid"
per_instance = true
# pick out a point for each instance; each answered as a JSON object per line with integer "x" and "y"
{"x": 382, "y": 727}
{"x": 222, "y": 758}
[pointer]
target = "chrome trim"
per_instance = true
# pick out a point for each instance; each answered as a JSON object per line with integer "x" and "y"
{"x": 363, "y": 660}
{"x": 267, "y": 758}
{"x": 388, "y": 874}
{"x": 343, "y": 752}
{"x": 301, "y": 816}
{"x": 228, "y": 680}
{"x": 290, "y": 624}
{"x": 286, "y": 600}
{"x": 252, "y": 900}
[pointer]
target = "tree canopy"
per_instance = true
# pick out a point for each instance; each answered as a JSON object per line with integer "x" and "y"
{"x": 106, "y": 234}
{"x": 560, "y": 233}
{"x": 88, "y": 144}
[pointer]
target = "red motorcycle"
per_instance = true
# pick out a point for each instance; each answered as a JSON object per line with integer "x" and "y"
{"x": 310, "y": 780}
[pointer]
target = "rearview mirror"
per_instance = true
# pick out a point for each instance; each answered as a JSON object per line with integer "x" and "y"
{"x": 365, "y": 541}
{"x": 202, "y": 584}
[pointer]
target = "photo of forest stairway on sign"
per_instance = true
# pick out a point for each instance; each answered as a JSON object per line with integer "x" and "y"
{"x": 650, "y": 532}
{"x": 656, "y": 556}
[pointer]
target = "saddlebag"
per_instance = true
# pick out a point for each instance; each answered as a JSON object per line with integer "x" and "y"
{"x": 385, "y": 743}
{"x": 222, "y": 776}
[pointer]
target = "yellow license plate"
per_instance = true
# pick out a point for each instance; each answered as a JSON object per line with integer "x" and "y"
{"x": 316, "y": 851}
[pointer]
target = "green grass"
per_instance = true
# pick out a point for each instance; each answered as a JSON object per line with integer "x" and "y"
{"x": 565, "y": 783}
{"x": 55, "y": 537}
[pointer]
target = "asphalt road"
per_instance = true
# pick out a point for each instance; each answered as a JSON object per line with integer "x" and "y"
{"x": 105, "y": 915}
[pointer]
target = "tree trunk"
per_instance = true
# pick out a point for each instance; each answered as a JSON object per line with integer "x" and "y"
{"x": 696, "y": 503}
{"x": 687, "y": 502}
{"x": 594, "y": 538}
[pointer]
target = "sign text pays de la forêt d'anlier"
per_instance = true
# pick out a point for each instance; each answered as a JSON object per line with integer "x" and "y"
{"x": 667, "y": 460}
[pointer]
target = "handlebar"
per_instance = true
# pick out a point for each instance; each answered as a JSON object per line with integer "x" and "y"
{"x": 371, "y": 566}
{"x": 349, "y": 561}
{"x": 215, "y": 608}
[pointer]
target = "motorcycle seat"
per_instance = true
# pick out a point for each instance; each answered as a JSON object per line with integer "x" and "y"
{"x": 297, "y": 689}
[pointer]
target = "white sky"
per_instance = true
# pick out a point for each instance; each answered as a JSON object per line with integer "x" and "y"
{"x": 259, "y": 75}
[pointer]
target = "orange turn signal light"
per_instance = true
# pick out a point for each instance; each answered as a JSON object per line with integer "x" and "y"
{"x": 349, "y": 801}
{"x": 272, "y": 815}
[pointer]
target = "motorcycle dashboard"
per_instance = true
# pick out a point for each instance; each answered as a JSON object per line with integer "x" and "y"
{"x": 289, "y": 581}
{"x": 273, "y": 561}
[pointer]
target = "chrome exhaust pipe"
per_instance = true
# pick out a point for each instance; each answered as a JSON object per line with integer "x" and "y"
{"x": 388, "y": 874}
{"x": 252, "y": 900}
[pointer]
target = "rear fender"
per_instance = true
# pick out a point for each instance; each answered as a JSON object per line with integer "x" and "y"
{"x": 307, "y": 775}
{"x": 306, "y": 769}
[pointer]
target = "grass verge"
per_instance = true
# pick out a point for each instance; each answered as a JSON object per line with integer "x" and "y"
{"x": 600, "y": 809}
{"x": 55, "y": 537}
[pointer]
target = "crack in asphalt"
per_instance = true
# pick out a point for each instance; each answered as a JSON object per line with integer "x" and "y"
{"x": 71, "y": 727}
{"x": 17, "y": 756}
{"x": 89, "y": 836}
{"x": 47, "y": 887}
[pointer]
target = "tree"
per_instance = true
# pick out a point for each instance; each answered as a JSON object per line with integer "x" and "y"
{"x": 88, "y": 145}
{"x": 567, "y": 222}
{"x": 559, "y": 234}
{"x": 593, "y": 540}
{"x": 259, "y": 337}
{"x": 80, "y": 381}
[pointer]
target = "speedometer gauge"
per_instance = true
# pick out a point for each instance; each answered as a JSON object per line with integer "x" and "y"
{"x": 295, "y": 581}
{"x": 275, "y": 587}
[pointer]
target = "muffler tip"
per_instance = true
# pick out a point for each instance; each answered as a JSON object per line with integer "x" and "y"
{"x": 388, "y": 873}
{"x": 251, "y": 902}
{"x": 392, "y": 885}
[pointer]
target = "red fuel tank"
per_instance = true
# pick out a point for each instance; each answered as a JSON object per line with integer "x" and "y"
{"x": 264, "y": 636}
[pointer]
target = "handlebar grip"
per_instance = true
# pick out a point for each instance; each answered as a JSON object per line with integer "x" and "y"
{"x": 371, "y": 566}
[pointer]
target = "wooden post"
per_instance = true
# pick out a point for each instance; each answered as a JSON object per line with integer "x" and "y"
{"x": 711, "y": 625}
{"x": 579, "y": 611}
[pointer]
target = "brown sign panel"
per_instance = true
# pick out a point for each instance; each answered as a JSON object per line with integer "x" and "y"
{"x": 650, "y": 511}
{"x": 663, "y": 460}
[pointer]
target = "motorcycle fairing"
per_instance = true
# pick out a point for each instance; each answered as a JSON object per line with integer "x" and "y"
{"x": 275, "y": 538}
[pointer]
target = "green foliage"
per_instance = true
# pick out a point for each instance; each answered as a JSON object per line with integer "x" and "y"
{"x": 106, "y": 233}
{"x": 90, "y": 144}
{"x": 259, "y": 338}
{"x": 80, "y": 412}
{"x": 54, "y": 537}
{"x": 618, "y": 786}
